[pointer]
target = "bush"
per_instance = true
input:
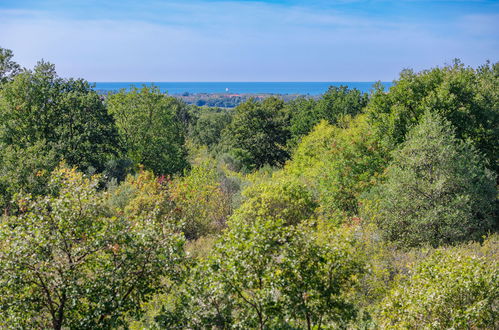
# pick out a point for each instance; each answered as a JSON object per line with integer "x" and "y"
{"x": 279, "y": 199}
{"x": 437, "y": 190}
{"x": 449, "y": 290}
{"x": 200, "y": 202}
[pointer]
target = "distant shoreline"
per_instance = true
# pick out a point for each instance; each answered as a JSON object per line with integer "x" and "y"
{"x": 238, "y": 88}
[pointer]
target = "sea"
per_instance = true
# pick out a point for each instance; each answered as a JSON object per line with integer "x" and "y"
{"x": 283, "y": 88}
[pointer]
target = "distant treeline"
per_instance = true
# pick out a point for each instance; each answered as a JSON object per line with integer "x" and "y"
{"x": 221, "y": 100}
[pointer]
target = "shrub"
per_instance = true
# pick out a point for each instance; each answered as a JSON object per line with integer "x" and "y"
{"x": 437, "y": 190}
{"x": 448, "y": 290}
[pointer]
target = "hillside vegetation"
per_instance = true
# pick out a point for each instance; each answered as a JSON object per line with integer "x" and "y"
{"x": 349, "y": 211}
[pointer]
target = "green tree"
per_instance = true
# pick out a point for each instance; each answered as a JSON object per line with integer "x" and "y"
{"x": 336, "y": 103}
{"x": 8, "y": 68}
{"x": 338, "y": 164}
{"x": 286, "y": 276}
{"x": 278, "y": 199}
{"x": 466, "y": 97}
{"x": 45, "y": 119}
{"x": 316, "y": 270}
{"x": 69, "y": 261}
{"x": 437, "y": 190}
{"x": 207, "y": 129}
{"x": 149, "y": 128}
{"x": 303, "y": 117}
{"x": 26, "y": 169}
{"x": 258, "y": 133}
{"x": 66, "y": 114}
{"x": 201, "y": 302}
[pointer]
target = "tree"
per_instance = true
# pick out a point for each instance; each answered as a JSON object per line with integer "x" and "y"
{"x": 69, "y": 261}
{"x": 336, "y": 103}
{"x": 24, "y": 169}
{"x": 66, "y": 114}
{"x": 466, "y": 97}
{"x": 207, "y": 130}
{"x": 437, "y": 190}
{"x": 45, "y": 119}
{"x": 338, "y": 164}
{"x": 317, "y": 268}
{"x": 282, "y": 275}
{"x": 149, "y": 129}
{"x": 8, "y": 68}
{"x": 201, "y": 302}
{"x": 258, "y": 133}
{"x": 303, "y": 118}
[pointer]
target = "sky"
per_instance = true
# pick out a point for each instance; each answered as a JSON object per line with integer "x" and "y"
{"x": 279, "y": 40}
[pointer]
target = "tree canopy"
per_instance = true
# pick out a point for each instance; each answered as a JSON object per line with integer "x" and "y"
{"x": 466, "y": 97}
{"x": 68, "y": 261}
{"x": 149, "y": 132}
{"x": 258, "y": 133}
{"x": 437, "y": 189}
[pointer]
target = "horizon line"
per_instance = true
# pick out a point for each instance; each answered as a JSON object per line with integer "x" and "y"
{"x": 297, "y": 81}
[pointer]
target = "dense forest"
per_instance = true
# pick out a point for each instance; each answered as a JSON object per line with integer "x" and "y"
{"x": 352, "y": 211}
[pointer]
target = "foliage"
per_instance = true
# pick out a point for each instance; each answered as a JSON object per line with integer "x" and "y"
{"x": 339, "y": 164}
{"x": 336, "y": 103}
{"x": 69, "y": 261}
{"x": 282, "y": 275}
{"x": 264, "y": 274}
{"x": 303, "y": 118}
{"x": 64, "y": 113}
{"x": 200, "y": 302}
{"x": 363, "y": 227}
{"x": 466, "y": 97}
{"x": 8, "y": 68}
{"x": 149, "y": 128}
{"x": 209, "y": 125}
{"x": 258, "y": 133}
{"x": 448, "y": 290}
{"x": 278, "y": 199}
{"x": 24, "y": 169}
{"x": 201, "y": 203}
{"x": 317, "y": 270}
{"x": 437, "y": 190}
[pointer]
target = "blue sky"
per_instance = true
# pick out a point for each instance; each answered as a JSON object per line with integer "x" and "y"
{"x": 286, "y": 40}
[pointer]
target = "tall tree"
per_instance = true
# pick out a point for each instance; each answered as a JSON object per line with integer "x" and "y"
{"x": 45, "y": 119}
{"x": 466, "y": 97}
{"x": 149, "y": 129}
{"x": 336, "y": 103}
{"x": 258, "y": 133}
{"x": 64, "y": 113}
{"x": 208, "y": 127}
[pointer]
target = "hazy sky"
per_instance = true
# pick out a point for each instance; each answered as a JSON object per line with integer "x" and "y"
{"x": 180, "y": 40}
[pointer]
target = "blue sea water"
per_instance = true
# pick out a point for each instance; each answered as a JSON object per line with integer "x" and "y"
{"x": 305, "y": 88}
